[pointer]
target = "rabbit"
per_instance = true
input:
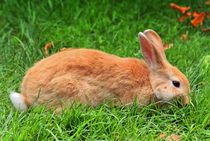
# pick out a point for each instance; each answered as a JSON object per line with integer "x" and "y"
{"x": 90, "y": 77}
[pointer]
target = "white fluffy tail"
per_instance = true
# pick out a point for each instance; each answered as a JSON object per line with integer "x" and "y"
{"x": 18, "y": 101}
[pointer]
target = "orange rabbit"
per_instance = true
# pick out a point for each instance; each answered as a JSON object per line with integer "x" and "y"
{"x": 90, "y": 77}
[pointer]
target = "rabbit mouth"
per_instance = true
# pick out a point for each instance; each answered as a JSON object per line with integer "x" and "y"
{"x": 165, "y": 100}
{"x": 156, "y": 98}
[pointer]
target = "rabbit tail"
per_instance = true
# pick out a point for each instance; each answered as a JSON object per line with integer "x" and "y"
{"x": 18, "y": 101}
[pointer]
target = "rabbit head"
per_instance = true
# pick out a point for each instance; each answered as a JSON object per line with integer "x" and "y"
{"x": 167, "y": 81}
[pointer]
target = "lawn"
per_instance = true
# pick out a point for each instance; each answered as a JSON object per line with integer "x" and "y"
{"x": 110, "y": 26}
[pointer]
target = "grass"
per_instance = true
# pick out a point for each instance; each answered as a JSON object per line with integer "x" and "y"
{"x": 111, "y": 26}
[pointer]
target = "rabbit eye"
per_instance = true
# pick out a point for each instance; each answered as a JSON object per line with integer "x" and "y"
{"x": 176, "y": 83}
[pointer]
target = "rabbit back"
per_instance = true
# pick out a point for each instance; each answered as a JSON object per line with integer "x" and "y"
{"x": 88, "y": 76}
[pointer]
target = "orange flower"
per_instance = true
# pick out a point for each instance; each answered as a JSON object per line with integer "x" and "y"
{"x": 195, "y": 14}
{"x": 198, "y": 19}
{"x": 179, "y": 8}
{"x": 188, "y": 14}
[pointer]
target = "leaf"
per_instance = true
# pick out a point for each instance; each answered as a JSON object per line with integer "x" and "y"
{"x": 198, "y": 20}
{"x": 47, "y": 47}
{"x": 162, "y": 135}
{"x": 207, "y": 2}
{"x": 63, "y": 49}
{"x": 167, "y": 46}
{"x": 172, "y": 137}
{"x": 184, "y": 37}
{"x": 179, "y": 8}
{"x": 208, "y": 15}
{"x": 205, "y": 29}
{"x": 182, "y": 18}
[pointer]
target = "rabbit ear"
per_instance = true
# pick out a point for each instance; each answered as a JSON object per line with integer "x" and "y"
{"x": 155, "y": 39}
{"x": 152, "y": 54}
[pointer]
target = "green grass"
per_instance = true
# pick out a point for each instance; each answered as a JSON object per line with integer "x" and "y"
{"x": 111, "y": 26}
